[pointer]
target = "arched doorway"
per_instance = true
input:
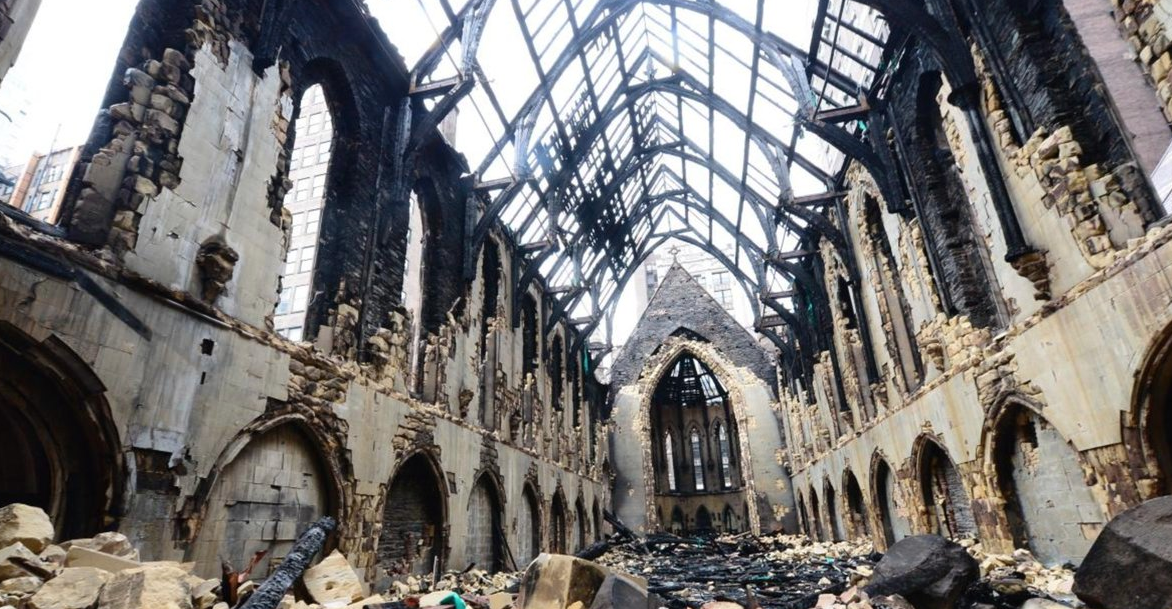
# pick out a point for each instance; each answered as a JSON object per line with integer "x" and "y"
{"x": 856, "y": 509}
{"x": 414, "y": 519}
{"x": 484, "y": 525}
{"x": 942, "y": 490}
{"x": 837, "y": 531}
{"x": 677, "y": 520}
{"x": 1149, "y": 430}
{"x": 265, "y": 496}
{"x": 557, "y": 524}
{"x": 804, "y": 517}
{"x": 1035, "y": 465}
{"x": 583, "y": 525}
{"x": 703, "y": 521}
{"x": 816, "y": 516}
{"x": 598, "y": 521}
{"x": 528, "y": 528}
{"x": 888, "y": 502}
{"x": 60, "y": 449}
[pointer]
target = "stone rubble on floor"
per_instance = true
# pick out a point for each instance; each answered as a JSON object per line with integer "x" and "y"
{"x": 658, "y": 571}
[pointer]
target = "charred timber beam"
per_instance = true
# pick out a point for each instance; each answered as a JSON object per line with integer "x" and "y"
{"x": 951, "y": 51}
{"x": 65, "y": 271}
{"x": 270, "y": 593}
{"x": 844, "y": 115}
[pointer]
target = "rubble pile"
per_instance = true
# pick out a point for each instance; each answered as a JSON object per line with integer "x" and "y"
{"x": 780, "y": 571}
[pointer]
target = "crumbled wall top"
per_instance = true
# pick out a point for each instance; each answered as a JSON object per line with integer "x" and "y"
{"x": 681, "y": 303}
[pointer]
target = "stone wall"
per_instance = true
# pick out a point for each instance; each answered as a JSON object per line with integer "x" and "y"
{"x": 1063, "y": 330}
{"x": 162, "y": 284}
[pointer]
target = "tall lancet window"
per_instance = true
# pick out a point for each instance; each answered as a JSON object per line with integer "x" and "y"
{"x": 697, "y": 461}
{"x": 725, "y": 460}
{"x": 669, "y": 461}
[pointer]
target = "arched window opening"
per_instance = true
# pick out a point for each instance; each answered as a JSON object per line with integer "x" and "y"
{"x": 725, "y": 456}
{"x": 905, "y": 350}
{"x": 414, "y": 519}
{"x": 528, "y": 542}
{"x": 490, "y": 275}
{"x": 948, "y": 220}
{"x": 309, "y": 165}
{"x": 530, "y": 332}
{"x": 555, "y": 372}
{"x": 598, "y": 521}
{"x": 846, "y": 304}
{"x": 697, "y": 462}
{"x": 949, "y": 511}
{"x": 1035, "y": 464}
{"x": 669, "y": 461}
{"x": 484, "y": 526}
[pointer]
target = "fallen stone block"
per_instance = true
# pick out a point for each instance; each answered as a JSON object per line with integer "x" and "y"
{"x": 27, "y": 524}
{"x": 21, "y": 586}
{"x": 929, "y": 571}
{"x": 332, "y": 580}
{"x": 622, "y": 591}
{"x": 1130, "y": 564}
{"x": 149, "y": 587}
{"x": 14, "y": 561}
{"x": 79, "y": 556}
{"x": 77, "y": 588}
{"x": 555, "y": 580}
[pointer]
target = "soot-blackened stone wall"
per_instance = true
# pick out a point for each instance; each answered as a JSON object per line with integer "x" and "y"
{"x": 943, "y": 204}
{"x": 681, "y": 305}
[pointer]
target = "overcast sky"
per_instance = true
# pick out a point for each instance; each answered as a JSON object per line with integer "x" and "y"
{"x": 62, "y": 73}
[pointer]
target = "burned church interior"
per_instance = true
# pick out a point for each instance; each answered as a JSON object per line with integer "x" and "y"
{"x": 586, "y": 304}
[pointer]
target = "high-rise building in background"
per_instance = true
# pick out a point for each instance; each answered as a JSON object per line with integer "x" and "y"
{"x": 38, "y": 186}
{"x": 308, "y": 165}
{"x": 705, "y": 269}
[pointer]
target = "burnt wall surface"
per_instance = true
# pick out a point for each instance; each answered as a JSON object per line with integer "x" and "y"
{"x": 682, "y": 307}
{"x": 943, "y": 204}
{"x": 151, "y": 308}
{"x": 1041, "y": 372}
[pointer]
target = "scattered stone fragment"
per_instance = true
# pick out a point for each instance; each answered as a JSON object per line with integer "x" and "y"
{"x": 333, "y": 579}
{"x": 148, "y": 587}
{"x": 554, "y": 580}
{"x": 928, "y": 570}
{"x": 81, "y": 556}
{"x": 27, "y": 524}
{"x": 76, "y": 588}
{"x": 14, "y": 559}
